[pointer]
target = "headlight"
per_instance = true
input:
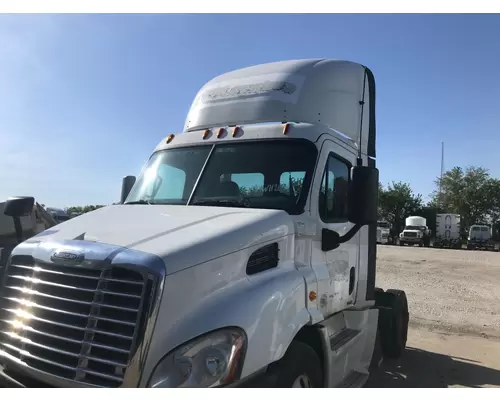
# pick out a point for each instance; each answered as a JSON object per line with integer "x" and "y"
{"x": 401, "y": 234}
{"x": 214, "y": 359}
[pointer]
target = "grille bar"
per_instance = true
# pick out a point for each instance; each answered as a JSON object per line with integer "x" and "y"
{"x": 49, "y": 271}
{"x": 76, "y": 322}
{"x": 32, "y": 292}
{"x": 25, "y": 353}
{"x": 20, "y": 301}
{"x": 87, "y": 371}
{"x": 42, "y": 282}
{"x": 80, "y": 342}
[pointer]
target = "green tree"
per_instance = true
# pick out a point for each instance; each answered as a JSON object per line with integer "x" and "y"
{"x": 469, "y": 192}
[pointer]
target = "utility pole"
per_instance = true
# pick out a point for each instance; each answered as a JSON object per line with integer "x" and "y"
{"x": 442, "y": 171}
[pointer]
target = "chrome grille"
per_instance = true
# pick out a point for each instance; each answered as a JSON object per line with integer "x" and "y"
{"x": 77, "y": 323}
{"x": 410, "y": 234}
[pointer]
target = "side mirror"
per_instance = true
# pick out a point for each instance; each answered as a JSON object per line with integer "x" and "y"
{"x": 17, "y": 207}
{"x": 363, "y": 196}
{"x": 362, "y": 207}
{"x": 127, "y": 184}
{"x": 20, "y": 206}
{"x": 330, "y": 240}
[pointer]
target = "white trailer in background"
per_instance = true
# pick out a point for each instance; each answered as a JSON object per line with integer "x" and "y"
{"x": 448, "y": 231}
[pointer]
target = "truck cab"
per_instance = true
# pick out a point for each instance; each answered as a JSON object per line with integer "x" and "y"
{"x": 415, "y": 232}
{"x": 383, "y": 232}
{"x": 244, "y": 254}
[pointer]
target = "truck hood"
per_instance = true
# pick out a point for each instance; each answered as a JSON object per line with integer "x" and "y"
{"x": 182, "y": 236}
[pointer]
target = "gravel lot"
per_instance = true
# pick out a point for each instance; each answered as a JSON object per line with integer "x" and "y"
{"x": 455, "y": 291}
{"x": 454, "y": 300}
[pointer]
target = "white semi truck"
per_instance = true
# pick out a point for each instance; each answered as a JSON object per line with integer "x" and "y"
{"x": 243, "y": 255}
{"x": 415, "y": 232}
{"x": 383, "y": 232}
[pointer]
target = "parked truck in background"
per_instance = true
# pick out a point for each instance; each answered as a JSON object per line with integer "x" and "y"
{"x": 383, "y": 232}
{"x": 58, "y": 214}
{"x": 32, "y": 224}
{"x": 448, "y": 231}
{"x": 415, "y": 232}
{"x": 480, "y": 238}
{"x": 243, "y": 255}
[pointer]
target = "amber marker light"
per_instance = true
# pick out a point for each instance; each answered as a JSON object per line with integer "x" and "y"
{"x": 286, "y": 129}
{"x": 170, "y": 138}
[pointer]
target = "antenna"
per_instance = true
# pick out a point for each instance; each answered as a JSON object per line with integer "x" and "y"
{"x": 442, "y": 171}
{"x": 362, "y": 104}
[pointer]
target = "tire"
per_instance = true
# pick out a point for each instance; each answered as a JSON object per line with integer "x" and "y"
{"x": 401, "y": 243}
{"x": 395, "y": 329}
{"x": 421, "y": 243}
{"x": 299, "y": 360}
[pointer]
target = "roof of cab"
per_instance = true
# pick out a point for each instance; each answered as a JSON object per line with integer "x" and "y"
{"x": 338, "y": 94}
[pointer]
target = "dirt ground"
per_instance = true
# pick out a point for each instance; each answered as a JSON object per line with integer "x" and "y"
{"x": 454, "y": 300}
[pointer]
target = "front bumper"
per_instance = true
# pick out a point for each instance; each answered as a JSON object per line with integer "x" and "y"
{"x": 480, "y": 244}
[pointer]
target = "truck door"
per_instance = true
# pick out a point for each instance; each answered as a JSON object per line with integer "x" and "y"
{"x": 336, "y": 270}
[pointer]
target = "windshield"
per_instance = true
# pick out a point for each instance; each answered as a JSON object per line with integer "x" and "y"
{"x": 383, "y": 224}
{"x": 414, "y": 228}
{"x": 265, "y": 174}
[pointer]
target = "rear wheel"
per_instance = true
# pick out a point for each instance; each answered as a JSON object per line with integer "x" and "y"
{"x": 300, "y": 367}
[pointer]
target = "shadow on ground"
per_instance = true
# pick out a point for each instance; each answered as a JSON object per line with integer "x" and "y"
{"x": 419, "y": 368}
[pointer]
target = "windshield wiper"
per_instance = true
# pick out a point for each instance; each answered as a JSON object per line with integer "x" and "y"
{"x": 138, "y": 202}
{"x": 224, "y": 203}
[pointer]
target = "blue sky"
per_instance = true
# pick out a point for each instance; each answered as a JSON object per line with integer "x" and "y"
{"x": 84, "y": 99}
